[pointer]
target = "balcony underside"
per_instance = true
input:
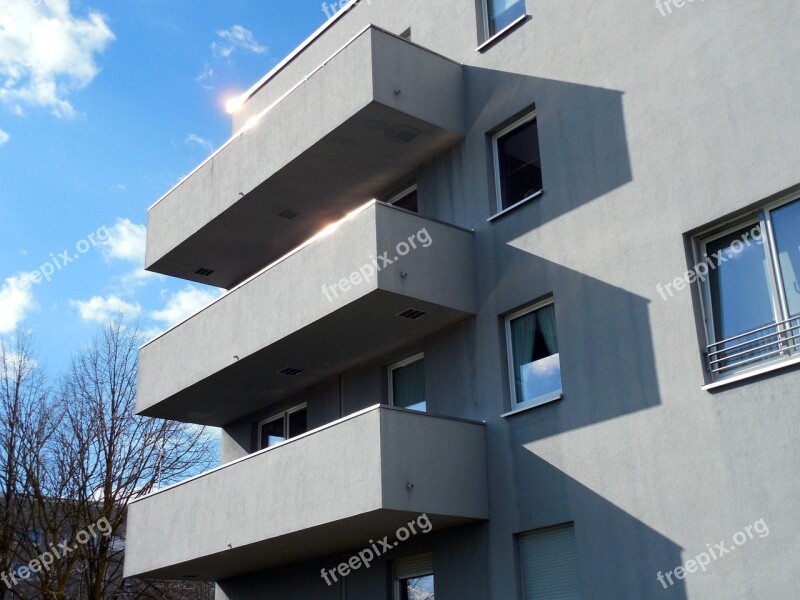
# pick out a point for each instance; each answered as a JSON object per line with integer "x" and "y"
{"x": 371, "y": 115}
{"x": 224, "y": 362}
{"x": 328, "y": 491}
{"x": 355, "y": 334}
{"x": 348, "y": 534}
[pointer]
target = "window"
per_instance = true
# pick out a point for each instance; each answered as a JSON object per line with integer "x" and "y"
{"x": 549, "y": 564}
{"x": 407, "y": 384}
{"x": 751, "y": 296}
{"x": 413, "y": 578}
{"x": 406, "y": 199}
{"x": 282, "y": 427}
{"x": 31, "y": 536}
{"x": 534, "y": 364}
{"x": 501, "y": 14}
{"x": 518, "y": 166}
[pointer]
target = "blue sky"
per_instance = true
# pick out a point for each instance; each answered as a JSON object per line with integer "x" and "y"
{"x": 104, "y": 106}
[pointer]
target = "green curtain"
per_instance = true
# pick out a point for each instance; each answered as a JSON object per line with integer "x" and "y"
{"x": 409, "y": 385}
{"x": 522, "y": 336}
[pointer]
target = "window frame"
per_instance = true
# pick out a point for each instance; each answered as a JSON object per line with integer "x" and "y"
{"x": 490, "y": 38}
{"x": 415, "y": 574}
{"x": 524, "y": 120}
{"x": 410, "y": 189}
{"x": 396, "y": 583}
{"x": 512, "y": 376}
{"x": 761, "y": 217}
{"x": 280, "y": 415}
{"x": 405, "y": 192}
{"x": 398, "y": 365}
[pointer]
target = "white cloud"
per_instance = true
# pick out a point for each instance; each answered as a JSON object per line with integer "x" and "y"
{"x": 184, "y": 303}
{"x": 237, "y": 37}
{"x": 16, "y": 300}
{"x": 208, "y": 73}
{"x": 47, "y": 52}
{"x": 196, "y": 139}
{"x": 13, "y": 365}
{"x": 126, "y": 284}
{"x": 100, "y": 310}
{"x": 139, "y": 277}
{"x": 545, "y": 367}
{"x": 4, "y": 137}
{"x": 126, "y": 242}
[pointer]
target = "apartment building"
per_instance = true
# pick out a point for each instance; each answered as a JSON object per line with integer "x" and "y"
{"x": 512, "y": 305}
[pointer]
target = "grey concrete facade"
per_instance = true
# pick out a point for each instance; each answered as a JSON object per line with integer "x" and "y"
{"x": 652, "y": 128}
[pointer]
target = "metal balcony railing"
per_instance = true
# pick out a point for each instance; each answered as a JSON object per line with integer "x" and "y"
{"x": 769, "y": 342}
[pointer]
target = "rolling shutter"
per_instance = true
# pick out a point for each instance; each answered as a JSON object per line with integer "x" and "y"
{"x": 413, "y": 566}
{"x": 549, "y": 560}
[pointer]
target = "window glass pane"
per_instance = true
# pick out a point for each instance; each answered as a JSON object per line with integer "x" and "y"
{"x": 272, "y": 433}
{"x": 408, "y": 386}
{"x": 741, "y": 297}
{"x": 786, "y": 225}
{"x": 501, "y": 13}
{"x": 297, "y": 423}
{"x": 534, "y": 347}
{"x": 519, "y": 164}
{"x": 417, "y": 588}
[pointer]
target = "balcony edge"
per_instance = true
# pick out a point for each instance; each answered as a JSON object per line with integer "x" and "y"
{"x": 344, "y": 419}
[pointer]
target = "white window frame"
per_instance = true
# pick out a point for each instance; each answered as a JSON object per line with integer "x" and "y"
{"x": 281, "y": 415}
{"x": 512, "y": 376}
{"x": 488, "y": 37}
{"x": 402, "y": 194}
{"x": 395, "y": 366}
{"x": 780, "y": 309}
{"x": 531, "y": 116}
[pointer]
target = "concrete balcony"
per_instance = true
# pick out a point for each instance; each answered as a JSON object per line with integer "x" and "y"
{"x": 329, "y": 490}
{"x": 320, "y": 310}
{"x": 371, "y": 114}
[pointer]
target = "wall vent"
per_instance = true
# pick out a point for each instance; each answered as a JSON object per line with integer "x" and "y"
{"x": 404, "y": 135}
{"x": 290, "y": 371}
{"x": 198, "y": 415}
{"x": 204, "y": 272}
{"x": 288, "y": 214}
{"x": 412, "y": 314}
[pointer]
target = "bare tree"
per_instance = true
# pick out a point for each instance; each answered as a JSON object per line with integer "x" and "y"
{"x": 22, "y": 392}
{"x": 51, "y": 505}
{"x": 72, "y": 460}
{"x": 116, "y": 455}
{"x": 172, "y": 590}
